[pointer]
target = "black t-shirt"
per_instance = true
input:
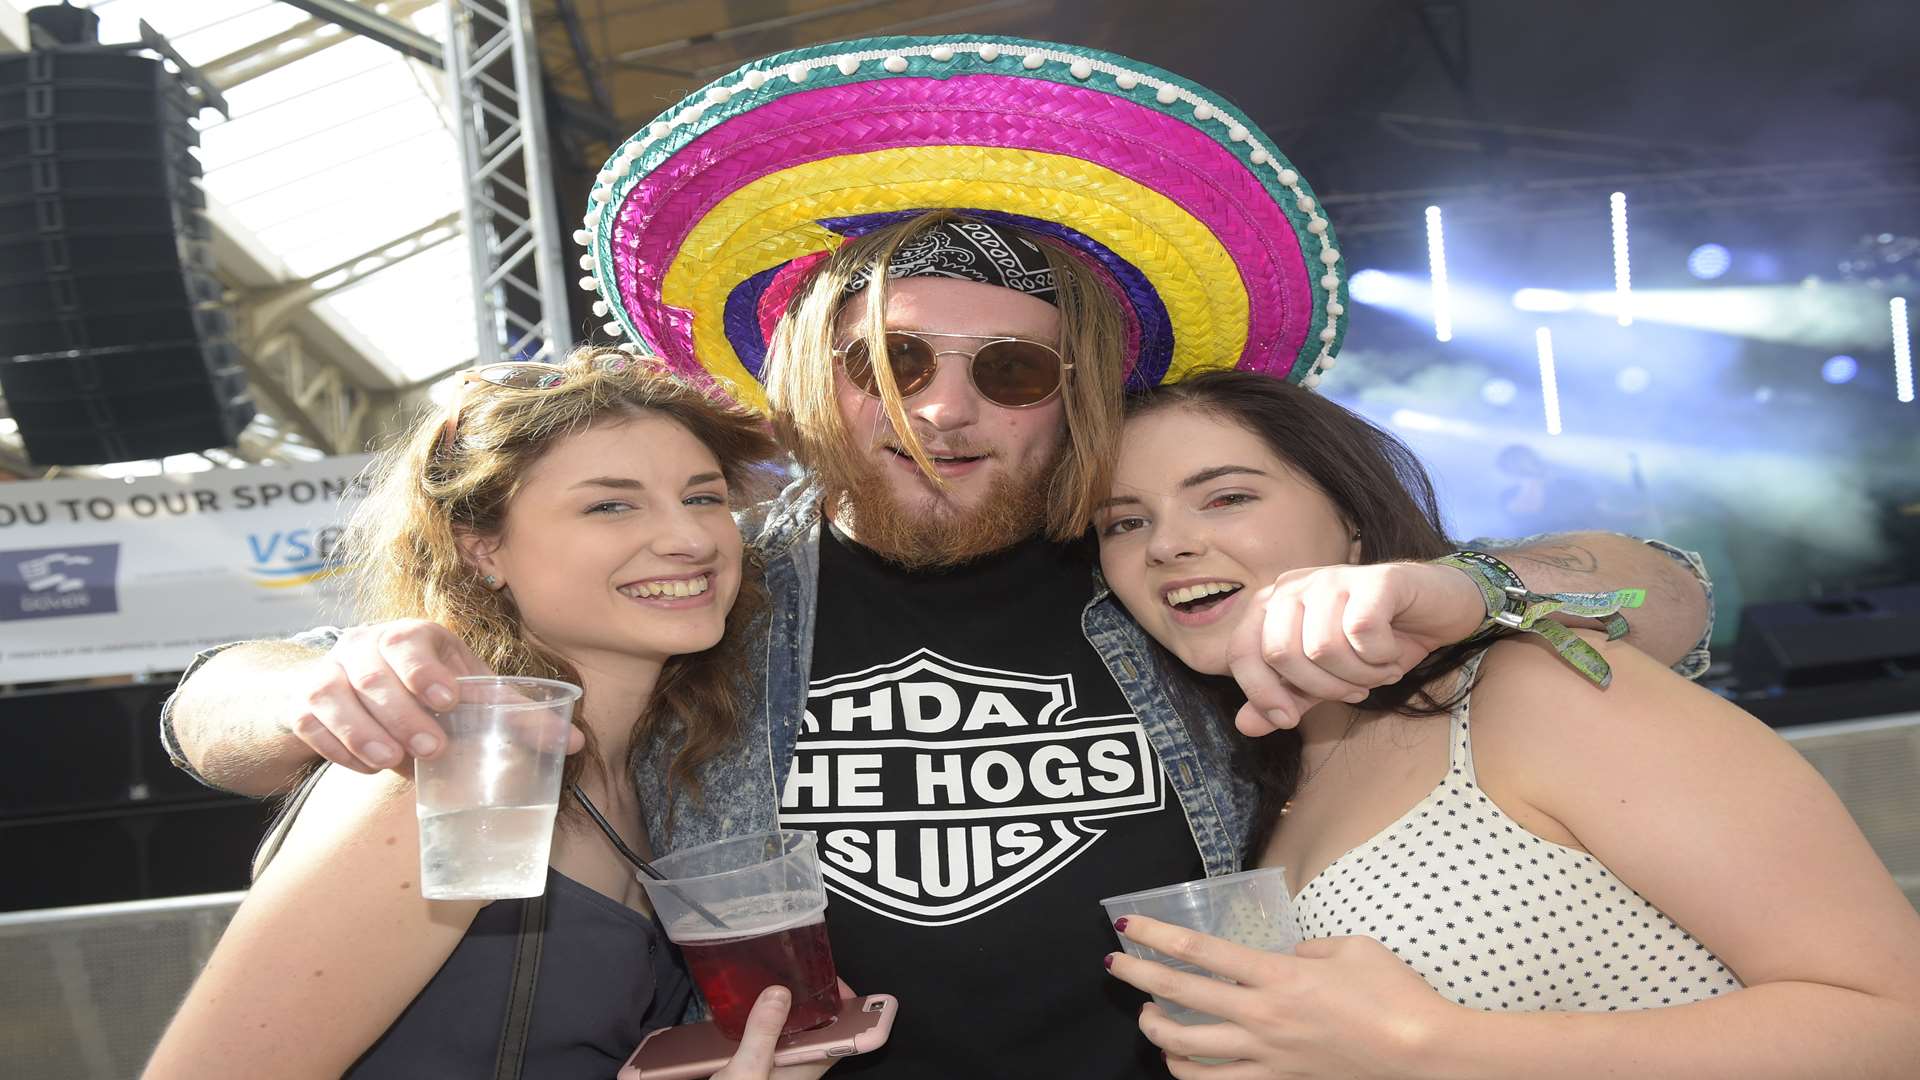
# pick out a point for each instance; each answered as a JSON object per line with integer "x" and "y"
{"x": 978, "y": 784}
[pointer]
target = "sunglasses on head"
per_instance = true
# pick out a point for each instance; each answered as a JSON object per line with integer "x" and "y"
{"x": 514, "y": 375}
{"x": 1011, "y": 372}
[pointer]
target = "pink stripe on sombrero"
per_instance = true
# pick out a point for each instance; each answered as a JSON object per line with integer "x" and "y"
{"x": 1158, "y": 151}
{"x": 773, "y": 302}
{"x": 1112, "y": 285}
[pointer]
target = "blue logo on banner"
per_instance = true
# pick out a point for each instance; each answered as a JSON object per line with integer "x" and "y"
{"x": 47, "y": 583}
{"x": 286, "y": 560}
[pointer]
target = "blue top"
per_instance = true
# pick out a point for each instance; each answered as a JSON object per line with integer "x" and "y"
{"x": 608, "y": 976}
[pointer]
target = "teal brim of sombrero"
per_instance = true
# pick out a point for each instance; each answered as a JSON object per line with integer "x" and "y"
{"x": 703, "y": 224}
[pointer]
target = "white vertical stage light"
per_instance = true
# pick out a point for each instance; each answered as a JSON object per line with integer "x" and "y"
{"x": 1437, "y": 268}
{"x": 1622, "y": 265}
{"x": 1549, "y": 384}
{"x": 1902, "y": 351}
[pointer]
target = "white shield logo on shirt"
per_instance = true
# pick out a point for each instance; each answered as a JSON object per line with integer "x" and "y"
{"x": 942, "y": 790}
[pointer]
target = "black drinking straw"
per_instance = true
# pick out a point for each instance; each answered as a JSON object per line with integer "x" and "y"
{"x": 643, "y": 865}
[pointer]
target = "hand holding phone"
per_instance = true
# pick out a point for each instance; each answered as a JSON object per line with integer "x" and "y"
{"x": 696, "y": 1051}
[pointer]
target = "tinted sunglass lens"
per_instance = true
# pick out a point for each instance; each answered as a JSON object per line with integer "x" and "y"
{"x": 1016, "y": 373}
{"x": 913, "y": 363}
{"x": 859, "y": 372}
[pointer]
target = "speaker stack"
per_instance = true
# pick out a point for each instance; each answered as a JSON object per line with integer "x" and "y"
{"x": 113, "y": 344}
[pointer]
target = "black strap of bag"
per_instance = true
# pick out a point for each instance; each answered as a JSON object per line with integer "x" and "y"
{"x": 526, "y": 972}
{"x": 510, "y": 1061}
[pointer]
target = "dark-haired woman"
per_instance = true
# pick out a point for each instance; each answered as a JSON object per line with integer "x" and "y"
{"x": 1503, "y": 870}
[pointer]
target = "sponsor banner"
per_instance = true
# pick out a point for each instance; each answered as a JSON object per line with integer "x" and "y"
{"x": 942, "y": 790}
{"x": 110, "y": 577}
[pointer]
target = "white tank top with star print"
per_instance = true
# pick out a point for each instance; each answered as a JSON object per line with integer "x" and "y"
{"x": 1494, "y": 917}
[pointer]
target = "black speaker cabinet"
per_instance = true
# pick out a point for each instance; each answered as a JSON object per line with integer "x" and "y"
{"x": 1857, "y": 637}
{"x": 105, "y": 266}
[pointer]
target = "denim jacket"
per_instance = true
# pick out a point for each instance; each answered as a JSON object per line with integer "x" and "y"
{"x": 740, "y": 789}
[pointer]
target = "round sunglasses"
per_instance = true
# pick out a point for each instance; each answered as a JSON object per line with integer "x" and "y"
{"x": 1011, "y": 372}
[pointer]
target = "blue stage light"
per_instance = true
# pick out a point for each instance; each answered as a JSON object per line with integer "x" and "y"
{"x": 1369, "y": 286}
{"x": 1839, "y": 369}
{"x": 1709, "y": 261}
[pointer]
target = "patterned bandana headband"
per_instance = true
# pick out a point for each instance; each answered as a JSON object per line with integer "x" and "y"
{"x": 704, "y": 225}
{"x": 971, "y": 251}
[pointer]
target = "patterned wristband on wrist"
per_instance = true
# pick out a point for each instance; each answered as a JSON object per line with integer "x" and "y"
{"x": 1512, "y": 606}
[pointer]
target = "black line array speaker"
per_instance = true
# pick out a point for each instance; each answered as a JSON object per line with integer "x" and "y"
{"x": 113, "y": 343}
{"x": 1851, "y": 638}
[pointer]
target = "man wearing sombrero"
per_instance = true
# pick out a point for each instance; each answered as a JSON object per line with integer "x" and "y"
{"x": 938, "y": 263}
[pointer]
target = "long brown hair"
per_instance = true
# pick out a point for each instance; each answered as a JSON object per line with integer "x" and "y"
{"x": 1379, "y": 488}
{"x": 801, "y": 363}
{"x": 431, "y": 488}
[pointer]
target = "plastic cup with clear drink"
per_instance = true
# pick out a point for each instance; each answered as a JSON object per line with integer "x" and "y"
{"x": 749, "y": 913}
{"x": 486, "y": 802}
{"x": 1252, "y": 908}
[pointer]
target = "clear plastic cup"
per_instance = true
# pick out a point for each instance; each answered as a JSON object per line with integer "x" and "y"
{"x": 749, "y": 913}
{"x": 486, "y": 802}
{"x": 1251, "y": 908}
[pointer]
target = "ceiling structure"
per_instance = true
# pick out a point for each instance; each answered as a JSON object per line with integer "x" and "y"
{"x": 1514, "y": 110}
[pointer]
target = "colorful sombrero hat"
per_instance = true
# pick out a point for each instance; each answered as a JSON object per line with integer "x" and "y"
{"x": 702, "y": 225}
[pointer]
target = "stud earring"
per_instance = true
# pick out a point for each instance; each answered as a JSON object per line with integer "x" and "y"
{"x": 492, "y": 582}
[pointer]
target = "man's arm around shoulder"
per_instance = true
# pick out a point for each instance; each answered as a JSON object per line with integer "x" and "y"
{"x": 1677, "y": 619}
{"x": 227, "y": 724}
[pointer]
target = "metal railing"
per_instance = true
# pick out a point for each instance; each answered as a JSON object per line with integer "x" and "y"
{"x": 87, "y": 991}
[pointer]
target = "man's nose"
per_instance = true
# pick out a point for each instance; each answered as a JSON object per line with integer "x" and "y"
{"x": 951, "y": 401}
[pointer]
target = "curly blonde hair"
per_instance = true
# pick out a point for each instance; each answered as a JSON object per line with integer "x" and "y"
{"x": 432, "y": 487}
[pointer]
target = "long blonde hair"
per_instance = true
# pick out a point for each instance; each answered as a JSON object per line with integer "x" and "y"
{"x": 430, "y": 489}
{"x": 801, "y": 364}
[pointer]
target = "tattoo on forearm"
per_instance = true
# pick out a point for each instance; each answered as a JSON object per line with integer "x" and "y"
{"x": 1569, "y": 557}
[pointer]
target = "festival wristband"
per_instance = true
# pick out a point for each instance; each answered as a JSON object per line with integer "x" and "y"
{"x": 1512, "y": 606}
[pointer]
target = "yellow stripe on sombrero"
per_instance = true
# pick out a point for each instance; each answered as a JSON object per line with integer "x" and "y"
{"x": 773, "y": 220}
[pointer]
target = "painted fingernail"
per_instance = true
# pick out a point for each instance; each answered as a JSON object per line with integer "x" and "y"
{"x": 423, "y": 744}
{"x": 1107, "y": 961}
{"x": 440, "y": 697}
{"x": 1120, "y": 926}
{"x": 380, "y": 754}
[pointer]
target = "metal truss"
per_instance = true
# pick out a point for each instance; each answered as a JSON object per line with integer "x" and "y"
{"x": 499, "y": 118}
{"x": 309, "y": 395}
